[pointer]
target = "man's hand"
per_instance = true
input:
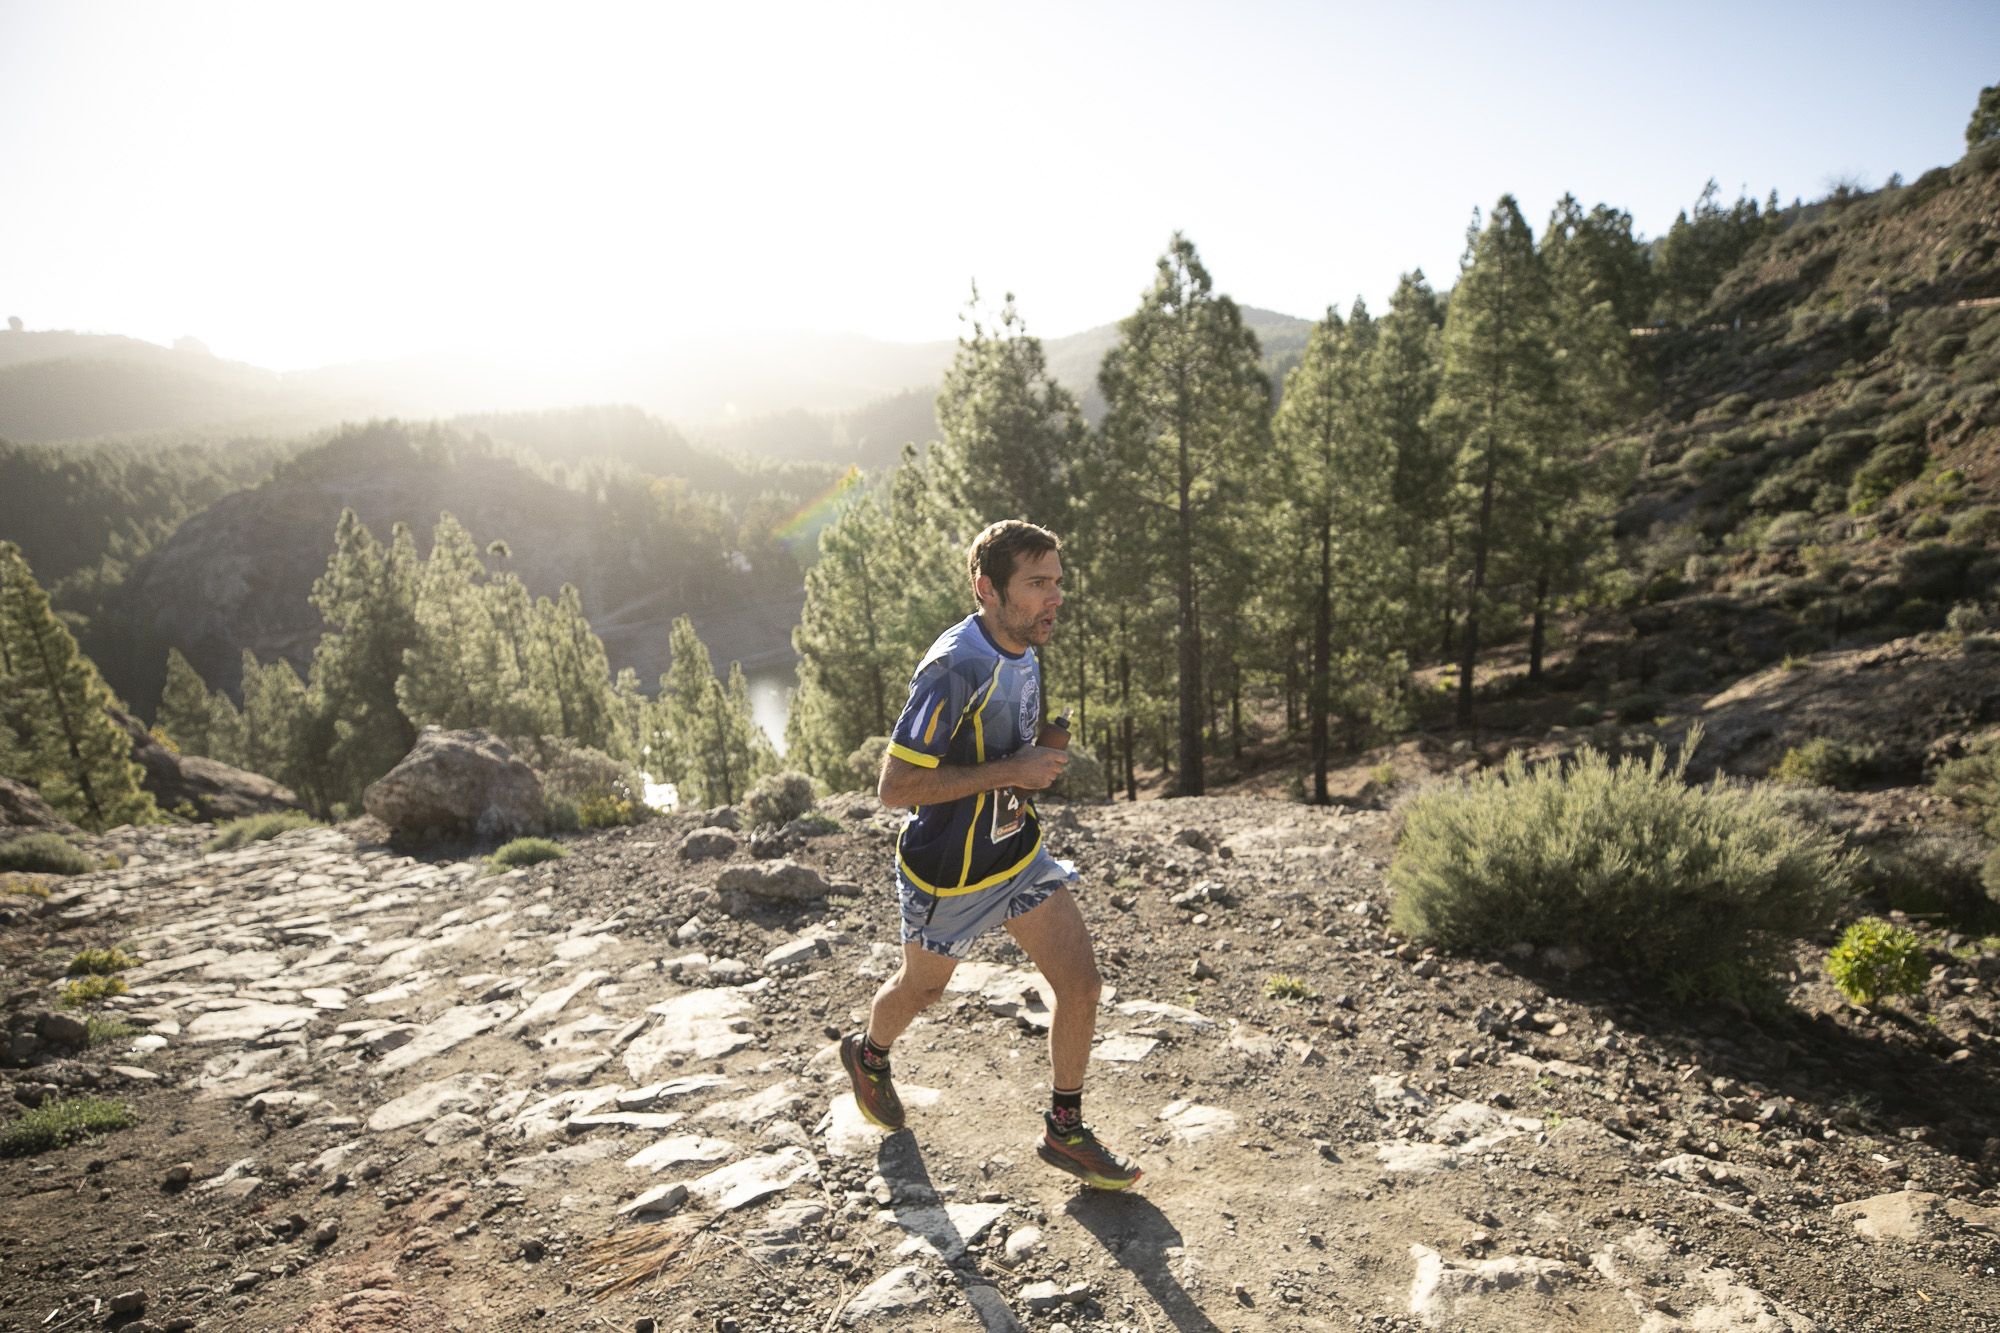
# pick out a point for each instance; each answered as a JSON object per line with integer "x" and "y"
{"x": 1036, "y": 767}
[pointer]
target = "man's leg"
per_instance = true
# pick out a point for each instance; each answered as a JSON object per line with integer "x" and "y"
{"x": 916, "y": 985}
{"x": 865, "y": 1054}
{"x": 1054, "y": 936}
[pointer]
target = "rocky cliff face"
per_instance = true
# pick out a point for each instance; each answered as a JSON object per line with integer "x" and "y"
{"x": 375, "y": 1093}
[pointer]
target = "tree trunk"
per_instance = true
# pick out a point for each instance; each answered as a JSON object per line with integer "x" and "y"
{"x": 1481, "y": 538}
{"x": 1538, "y": 632}
{"x": 1322, "y": 661}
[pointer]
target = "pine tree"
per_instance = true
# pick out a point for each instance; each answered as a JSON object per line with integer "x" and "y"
{"x": 69, "y": 747}
{"x": 1403, "y": 382}
{"x": 1008, "y": 434}
{"x": 1339, "y": 462}
{"x": 1498, "y": 399}
{"x": 580, "y": 674}
{"x": 1188, "y": 422}
{"x": 890, "y": 578}
{"x": 184, "y": 708}
{"x": 367, "y": 597}
{"x": 226, "y": 735}
{"x": 284, "y": 737}
{"x": 450, "y": 674}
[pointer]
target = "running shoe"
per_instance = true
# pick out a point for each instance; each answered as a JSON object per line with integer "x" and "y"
{"x": 1078, "y": 1152}
{"x": 873, "y": 1092}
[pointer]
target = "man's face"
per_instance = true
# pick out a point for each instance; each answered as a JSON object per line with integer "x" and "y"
{"x": 1027, "y": 613}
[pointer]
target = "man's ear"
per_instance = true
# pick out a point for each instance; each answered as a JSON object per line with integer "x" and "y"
{"x": 982, "y": 590}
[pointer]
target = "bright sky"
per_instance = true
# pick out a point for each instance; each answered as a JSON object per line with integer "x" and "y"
{"x": 301, "y": 183}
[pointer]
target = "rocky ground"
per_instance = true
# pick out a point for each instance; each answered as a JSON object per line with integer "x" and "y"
{"x": 374, "y": 1092}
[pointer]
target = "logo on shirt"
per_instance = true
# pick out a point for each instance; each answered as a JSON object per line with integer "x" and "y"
{"x": 1031, "y": 707}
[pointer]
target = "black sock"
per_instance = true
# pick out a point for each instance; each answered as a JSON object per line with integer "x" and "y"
{"x": 1066, "y": 1108}
{"x": 875, "y": 1057}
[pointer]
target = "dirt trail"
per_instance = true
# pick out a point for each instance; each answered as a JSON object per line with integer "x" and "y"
{"x": 411, "y": 1097}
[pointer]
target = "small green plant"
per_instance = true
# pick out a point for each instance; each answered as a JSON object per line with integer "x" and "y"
{"x": 1875, "y": 960}
{"x": 1281, "y": 986}
{"x": 814, "y": 824}
{"x": 44, "y": 854}
{"x": 1825, "y": 762}
{"x": 56, "y": 1124}
{"x": 1384, "y": 775}
{"x": 90, "y": 990}
{"x": 1624, "y": 860}
{"x": 778, "y": 799}
{"x": 101, "y": 962}
{"x": 15, "y": 887}
{"x": 103, "y": 1031}
{"x": 610, "y": 809}
{"x": 258, "y": 828}
{"x": 526, "y": 852}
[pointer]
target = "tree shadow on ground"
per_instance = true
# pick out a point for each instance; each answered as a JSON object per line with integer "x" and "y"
{"x": 1884, "y": 1072}
{"x": 920, "y": 1211}
{"x": 1139, "y": 1237}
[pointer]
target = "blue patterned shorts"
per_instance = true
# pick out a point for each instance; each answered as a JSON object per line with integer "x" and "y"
{"x": 959, "y": 919}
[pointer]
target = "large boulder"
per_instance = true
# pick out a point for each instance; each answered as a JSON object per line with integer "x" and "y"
{"x": 212, "y": 789}
{"x": 459, "y": 784}
{"x": 22, "y": 807}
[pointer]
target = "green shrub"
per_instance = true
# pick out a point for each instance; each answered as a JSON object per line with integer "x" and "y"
{"x": 103, "y": 1031}
{"x": 258, "y": 828}
{"x": 1928, "y": 525}
{"x": 56, "y": 1124}
{"x": 1875, "y": 959}
{"x": 89, "y": 990}
{"x": 526, "y": 852}
{"x": 1886, "y": 469}
{"x": 44, "y": 854}
{"x": 1626, "y": 861}
{"x": 1973, "y": 780}
{"x": 1932, "y": 873}
{"x": 101, "y": 962}
{"x": 1281, "y": 986}
{"x": 1825, "y": 762}
{"x": 866, "y": 761}
{"x": 1735, "y": 405}
{"x": 778, "y": 799}
{"x": 1981, "y": 523}
{"x": 1082, "y": 779}
{"x": 1945, "y": 350}
{"x": 610, "y": 810}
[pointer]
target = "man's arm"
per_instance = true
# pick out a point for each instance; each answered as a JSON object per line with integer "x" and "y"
{"x": 1032, "y": 768}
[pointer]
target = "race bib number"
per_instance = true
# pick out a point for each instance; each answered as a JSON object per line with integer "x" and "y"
{"x": 1010, "y": 812}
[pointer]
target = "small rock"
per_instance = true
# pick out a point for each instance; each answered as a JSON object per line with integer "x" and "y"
{"x": 245, "y": 1280}
{"x": 1195, "y": 838}
{"x": 129, "y": 1302}
{"x": 326, "y": 1233}
{"x": 1041, "y": 1296}
{"x": 706, "y": 844}
{"x": 1023, "y": 1243}
{"x": 178, "y": 1175}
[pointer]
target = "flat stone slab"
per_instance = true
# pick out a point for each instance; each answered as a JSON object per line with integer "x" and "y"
{"x": 1914, "y": 1216}
{"x": 1448, "y": 1290}
{"x": 248, "y": 1022}
{"x": 1393, "y": 1093}
{"x": 945, "y": 1230}
{"x": 449, "y": 1029}
{"x": 1125, "y": 1048}
{"x": 743, "y": 1183}
{"x": 1171, "y": 1012}
{"x": 1415, "y": 1155}
{"x": 849, "y": 1133}
{"x": 679, "y": 1151}
{"x": 460, "y": 1092}
{"x": 700, "y": 1025}
{"x": 578, "y": 1124}
{"x": 544, "y": 1007}
{"x": 1476, "y": 1126}
{"x": 753, "y": 1110}
{"x": 1193, "y": 1122}
{"x": 638, "y": 1099}
{"x": 897, "y": 1290}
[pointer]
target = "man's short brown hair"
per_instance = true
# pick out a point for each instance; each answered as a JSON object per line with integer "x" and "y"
{"x": 997, "y": 550}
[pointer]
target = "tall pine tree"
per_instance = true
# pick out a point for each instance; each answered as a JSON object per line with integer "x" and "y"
{"x": 1498, "y": 401}
{"x": 1188, "y": 423}
{"x": 185, "y": 712}
{"x": 67, "y": 744}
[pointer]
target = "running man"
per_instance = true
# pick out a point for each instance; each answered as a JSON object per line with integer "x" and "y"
{"x": 963, "y": 756}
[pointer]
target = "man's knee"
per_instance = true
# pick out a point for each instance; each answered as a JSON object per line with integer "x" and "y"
{"x": 1083, "y": 986}
{"x": 922, "y": 995}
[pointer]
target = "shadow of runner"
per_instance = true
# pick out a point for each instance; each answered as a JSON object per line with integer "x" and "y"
{"x": 921, "y": 1211}
{"x": 1138, "y": 1235}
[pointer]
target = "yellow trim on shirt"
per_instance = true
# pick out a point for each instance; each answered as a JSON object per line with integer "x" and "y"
{"x": 931, "y": 730}
{"x": 909, "y": 756}
{"x": 987, "y": 883}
